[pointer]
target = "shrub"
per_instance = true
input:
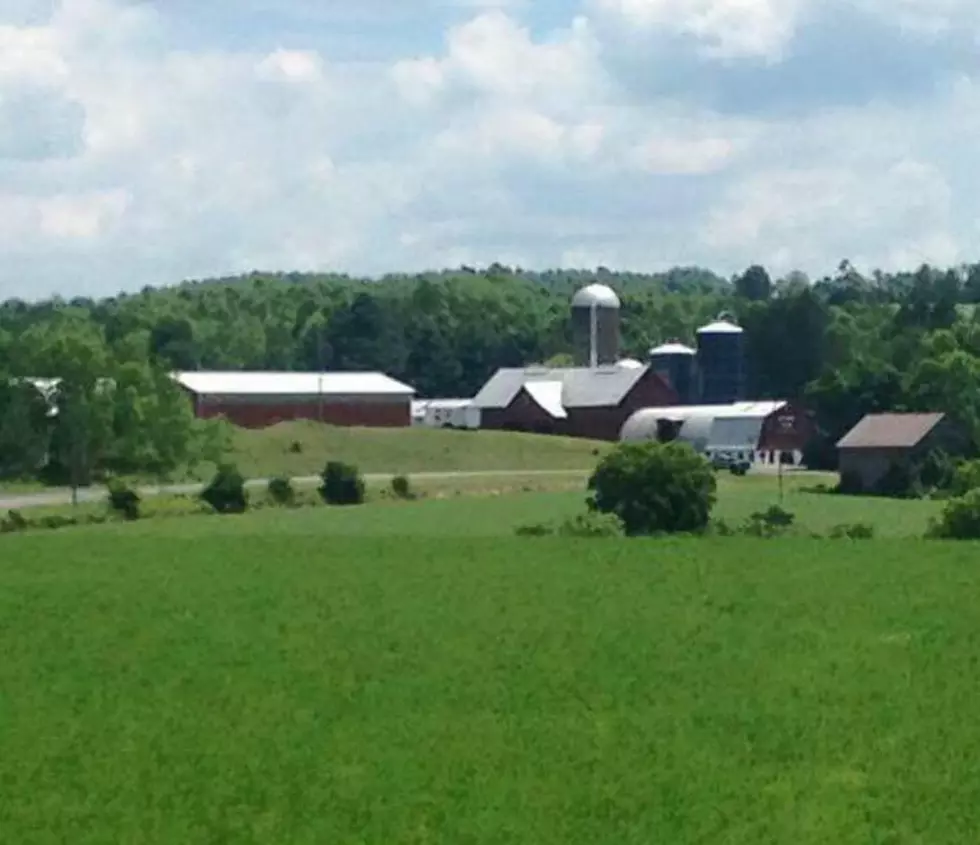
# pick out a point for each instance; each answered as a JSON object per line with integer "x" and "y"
{"x": 960, "y": 519}
{"x": 654, "y": 487}
{"x": 281, "y": 491}
{"x": 739, "y": 468}
{"x": 226, "y": 492}
{"x": 342, "y": 484}
{"x": 591, "y": 525}
{"x": 769, "y": 523}
{"x": 853, "y": 531}
{"x": 401, "y": 487}
{"x": 966, "y": 477}
{"x": 536, "y": 529}
{"x": 296, "y": 447}
{"x": 13, "y": 522}
{"x": 124, "y": 500}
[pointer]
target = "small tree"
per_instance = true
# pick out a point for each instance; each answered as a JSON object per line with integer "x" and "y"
{"x": 401, "y": 487}
{"x": 342, "y": 484}
{"x": 654, "y": 487}
{"x": 281, "y": 491}
{"x": 226, "y": 492}
{"x": 124, "y": 500}
{"x": 960, "y": 519}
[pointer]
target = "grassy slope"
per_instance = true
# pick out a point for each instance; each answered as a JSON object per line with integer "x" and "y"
{"x": 268, "y": 452}
{"x": 239, "y": 689}
{"x": 452, "y": 513}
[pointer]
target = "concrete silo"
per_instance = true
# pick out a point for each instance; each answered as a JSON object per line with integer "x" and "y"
{"x": 677, "y": 365}
{"x": 595, "y": 326}
{"x": 720, "y": 362}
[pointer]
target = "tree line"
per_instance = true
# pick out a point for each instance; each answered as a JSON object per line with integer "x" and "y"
{"x": 847, "y": 344}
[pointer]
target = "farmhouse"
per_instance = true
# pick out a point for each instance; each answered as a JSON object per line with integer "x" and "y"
{"x": 881, "y": 442}
{"x": 746, "y": 430}
{"x": 589, "y": 402}
{"x": 260, "y": 399}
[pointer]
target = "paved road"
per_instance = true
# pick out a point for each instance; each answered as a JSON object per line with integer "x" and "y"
{"x": 58, "y": 496}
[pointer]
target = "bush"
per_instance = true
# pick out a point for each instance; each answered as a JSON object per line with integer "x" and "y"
{"x": 281, "y": 491}
{"x": 769, "y": 523}
{"x": 739, "y": 468}
{"x": 401, "y": 487}
{"x": 853, "y": 531}
{"x": 960, "y": 519}
{"x": 226, "y": 492}
{"x": 124, "y": 500}
{"x": 536, "y": 529}
{"x": 654, "y": 487}
{"x": 966, "y": 477}
{"x": 591, "y": 525}
{"x": 342, "y": 484}
{"x": 13, "y": 522}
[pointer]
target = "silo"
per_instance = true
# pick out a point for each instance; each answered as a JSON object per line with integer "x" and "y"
{"x": 720, "y": 362}
{"x": 595, "y": 326}
{"x": 676, "y": 364}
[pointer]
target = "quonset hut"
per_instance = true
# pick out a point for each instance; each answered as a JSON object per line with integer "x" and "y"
{"x": 742, "y": 430}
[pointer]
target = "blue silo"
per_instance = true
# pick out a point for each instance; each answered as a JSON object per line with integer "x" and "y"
{"x": 720, "y": 362}
{"x": 677, "y": 365}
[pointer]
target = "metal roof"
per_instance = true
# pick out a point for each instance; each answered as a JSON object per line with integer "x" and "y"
{"x": 700, "y": 421}
{"x": 548, "y": 395}
{"x": 582, "y": 387}
{"x": 601, "y": 296}
{"x": 890, "y": 431}
{"x": 720, "y": 327}
{"x": 672, "y": 349}
{"x": 291, "y": 384}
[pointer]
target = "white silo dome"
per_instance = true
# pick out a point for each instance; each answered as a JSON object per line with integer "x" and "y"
{"x": 629, "y": 364}
{"x": 601, "y": 296}
{"x": 672, "y": 348}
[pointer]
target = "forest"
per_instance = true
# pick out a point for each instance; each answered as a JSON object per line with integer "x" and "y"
{"x": 846, "y": 344}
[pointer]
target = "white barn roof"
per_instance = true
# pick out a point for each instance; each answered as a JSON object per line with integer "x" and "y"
{"x": 291, "y": 384}
{"x": 712, "y": 425}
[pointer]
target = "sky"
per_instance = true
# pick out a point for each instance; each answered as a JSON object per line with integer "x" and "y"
{"x": 143, "y": 143}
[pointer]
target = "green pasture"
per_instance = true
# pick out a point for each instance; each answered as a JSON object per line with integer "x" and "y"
{"x": 495, "y": 507}
{"x": 299, "y": 686}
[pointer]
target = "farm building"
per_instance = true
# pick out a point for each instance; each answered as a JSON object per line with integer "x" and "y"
{"x": 881, "y": 442}
{"x": 445, "y": 413}
{"x": 260, "y": 399}
{"x": 748, "y": 431}
{"x": 575, "y": 401}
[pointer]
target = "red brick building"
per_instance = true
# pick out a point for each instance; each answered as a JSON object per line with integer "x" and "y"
{"x": 261, "y": 399}
{"x": 575, "y": 401}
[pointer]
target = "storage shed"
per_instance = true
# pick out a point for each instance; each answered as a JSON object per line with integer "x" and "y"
{"x": 260, "y": 399}
{"x": 881, "y": 442}
{"x": 574, "y": 401}
{"x": 746, "y": 430}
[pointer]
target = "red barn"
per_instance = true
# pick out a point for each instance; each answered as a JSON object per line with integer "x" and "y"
{"x": 260, "y": 399}
{"x": 573, "y": 401}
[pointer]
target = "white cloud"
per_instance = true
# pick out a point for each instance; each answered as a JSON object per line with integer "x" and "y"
{"x": 128, "y": 157}
{"x": 725, "y": 28}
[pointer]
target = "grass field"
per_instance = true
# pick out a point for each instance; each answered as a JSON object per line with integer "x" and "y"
{"x": 242, "y": 686}
{"x": 268, "y": 452}
{"x": 488, "y": 506}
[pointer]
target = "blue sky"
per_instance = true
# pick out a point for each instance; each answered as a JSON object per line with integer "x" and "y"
{"x": 144, "y": 143}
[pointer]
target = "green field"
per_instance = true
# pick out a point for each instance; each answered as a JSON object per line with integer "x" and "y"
{"x": 298, "y": 686}
{"x": 267, "y": 452}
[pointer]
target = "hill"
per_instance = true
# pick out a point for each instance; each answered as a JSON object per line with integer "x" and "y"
{"x": 303, "y": 448}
